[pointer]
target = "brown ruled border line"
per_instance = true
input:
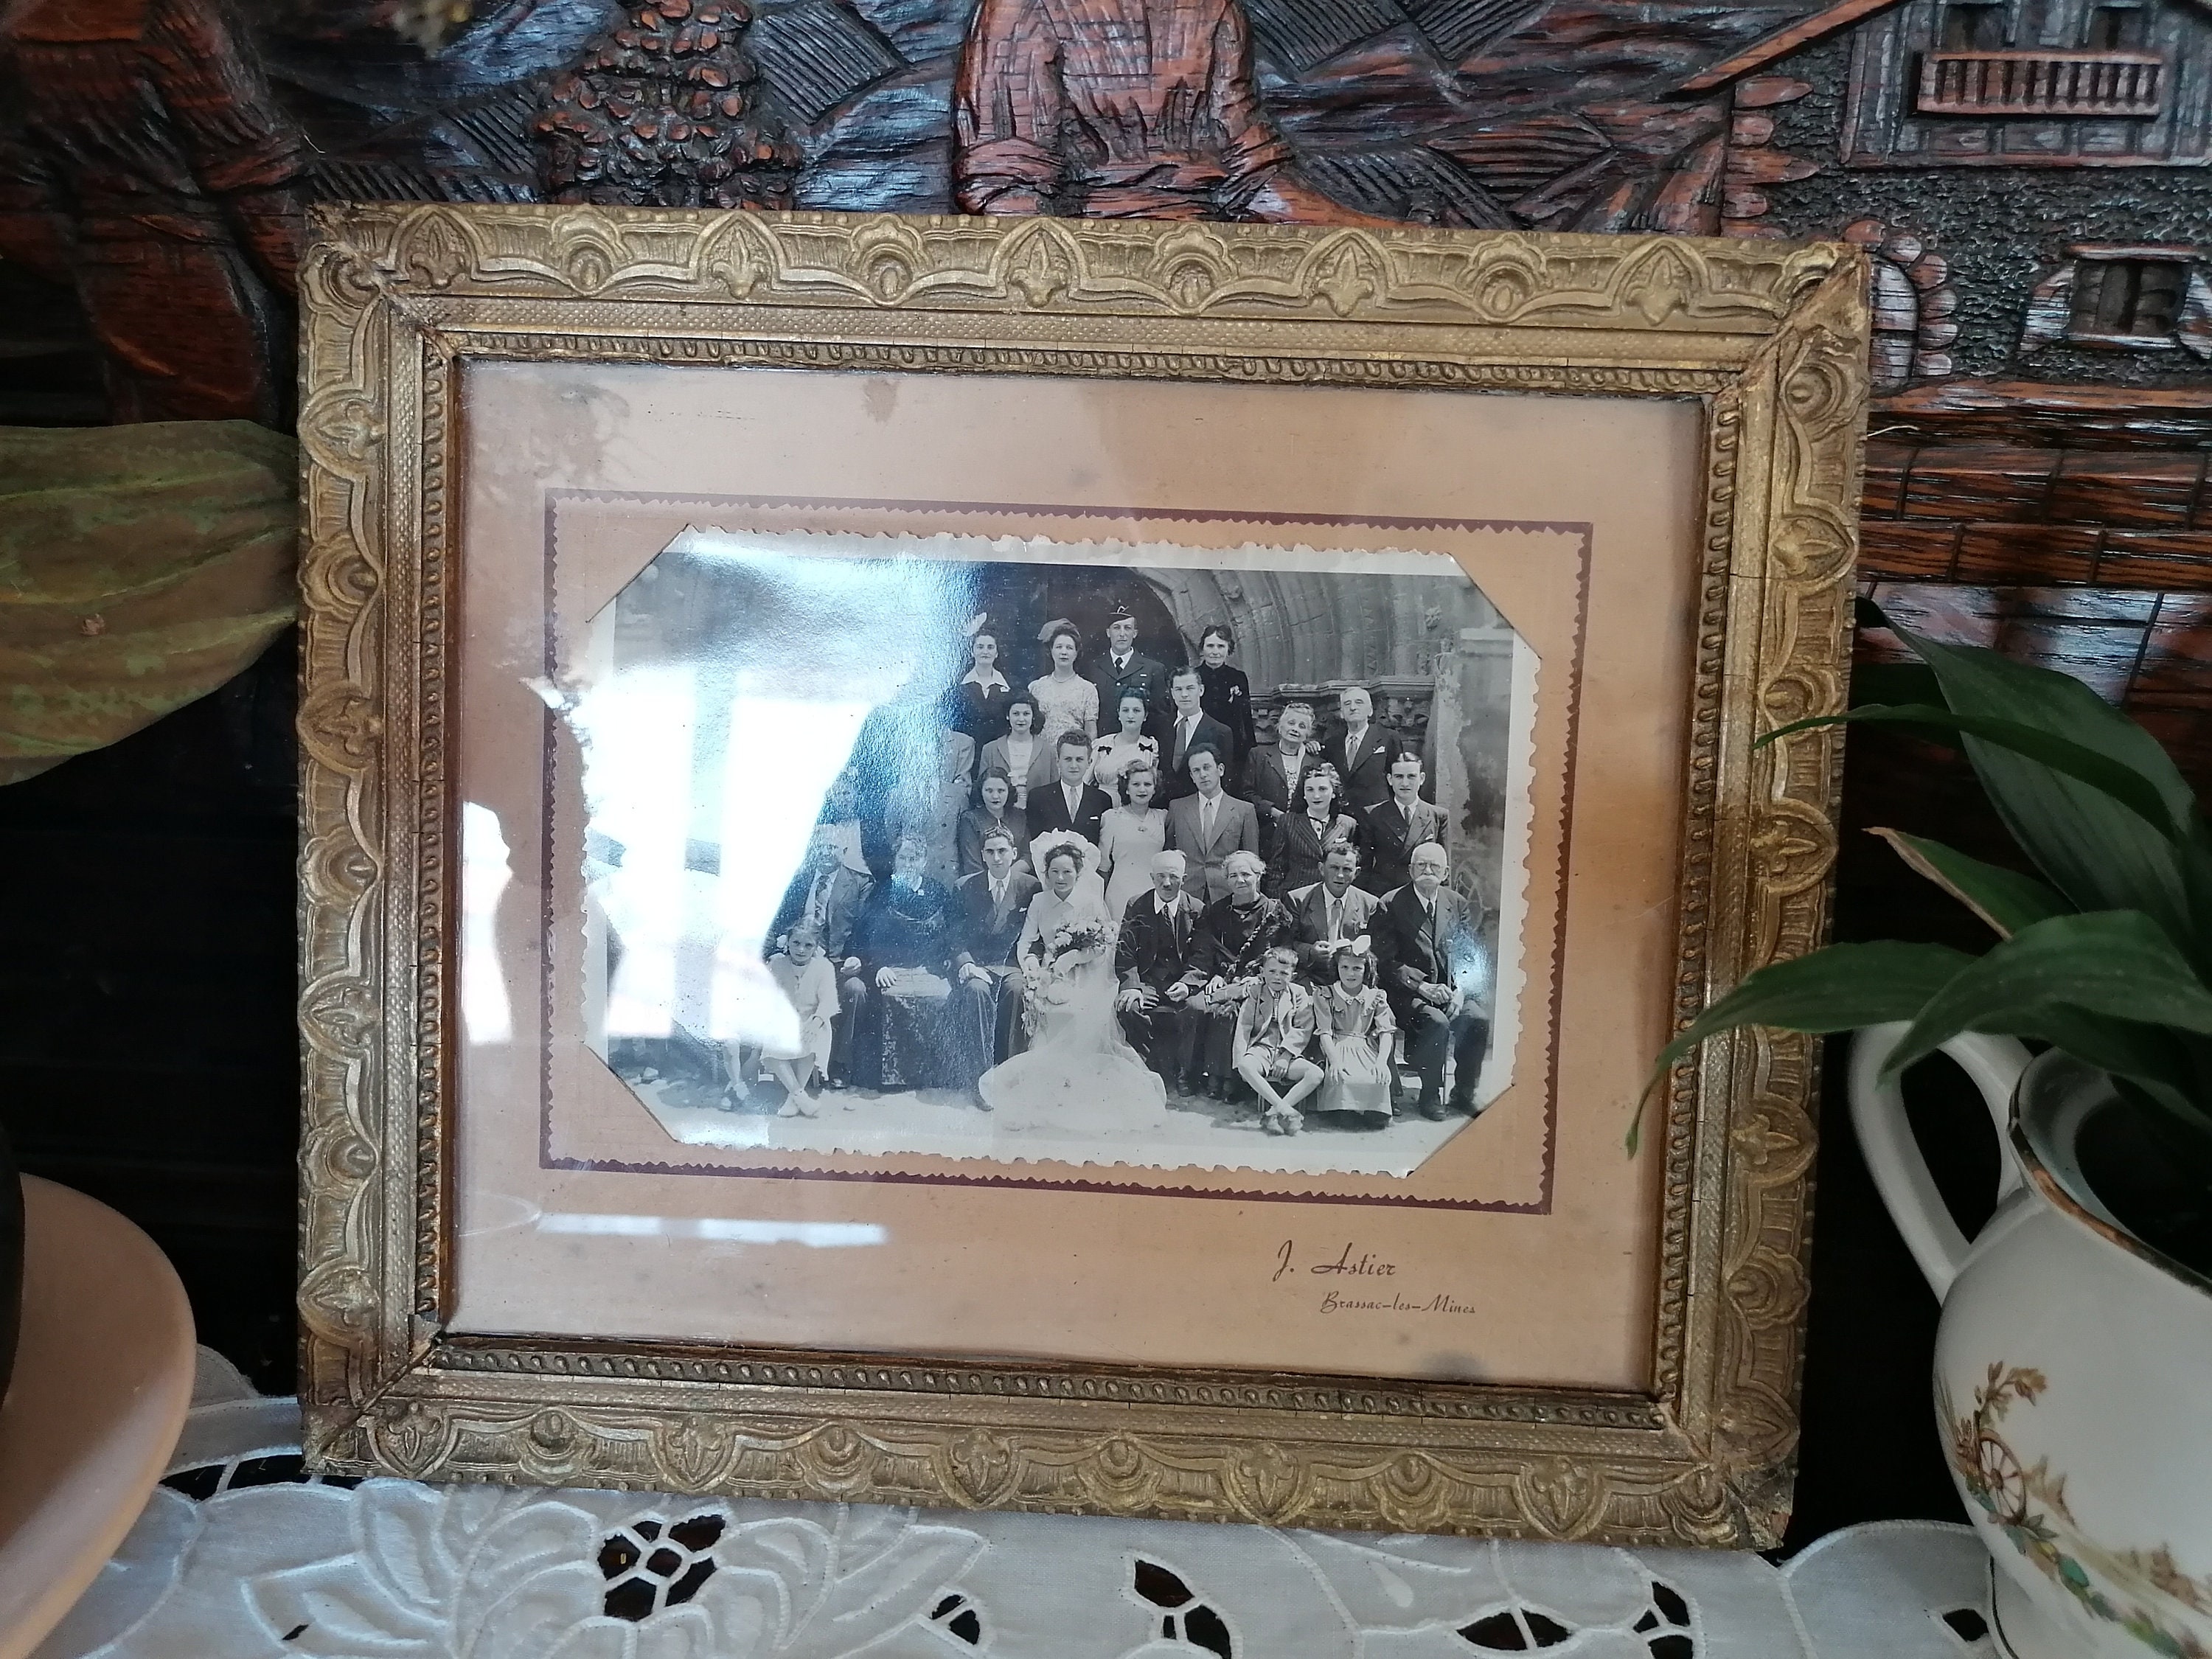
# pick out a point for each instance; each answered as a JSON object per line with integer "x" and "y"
{"x": 546, "y": 1158}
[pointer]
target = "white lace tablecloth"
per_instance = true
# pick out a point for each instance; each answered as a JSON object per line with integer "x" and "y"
{"x": 239, "y": 1555}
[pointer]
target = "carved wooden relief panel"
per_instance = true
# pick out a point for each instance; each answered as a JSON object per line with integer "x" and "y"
{"x": 1787, "y": 119}
{"x": 2031, "y": 181}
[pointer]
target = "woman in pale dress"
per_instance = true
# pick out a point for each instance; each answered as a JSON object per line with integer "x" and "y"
{"x": 806, "y": 977}
{"x": 1021, "y": 754}
{"x": 1355, "y": 1031}
{"x": 1065, "y": 701}
{"x": 1111, "y": 755}
{"x": 1078, "y": 1078}
{"x": 1129, "y": 835}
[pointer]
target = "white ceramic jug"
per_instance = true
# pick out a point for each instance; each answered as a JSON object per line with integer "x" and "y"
{"x": 2073, "y": 1369}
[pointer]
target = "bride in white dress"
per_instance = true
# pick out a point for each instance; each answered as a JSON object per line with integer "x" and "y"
{"x": 1077, "y": 1075}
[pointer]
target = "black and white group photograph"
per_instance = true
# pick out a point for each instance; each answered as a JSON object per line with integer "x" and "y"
{"x": 1069, "y": 851}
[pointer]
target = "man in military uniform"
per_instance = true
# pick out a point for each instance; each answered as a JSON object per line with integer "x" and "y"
{"x": 1120, "y": 669}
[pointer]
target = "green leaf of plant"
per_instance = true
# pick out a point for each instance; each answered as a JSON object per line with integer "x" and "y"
{"x": 2195, "y": 858}
{"x": 1895, "y": 683}
{"x": 2156, "y": 1059}
{"x": 2171, "y": 1116}
{"x": 2116, "y": 962}
{"x": 2076, "y": 761}
{"x": 1979, "y": 681}
{"x": 2101, "y": 859}
{"x": 1836, "y": 989}
{"x": 2005, "y": 899}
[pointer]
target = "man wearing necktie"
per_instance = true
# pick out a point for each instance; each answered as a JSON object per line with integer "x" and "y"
{"x": 1070, "y": 803}
{"x": 1436, "y": 975}
{"x": 1330, "y": 913}
{"x": 1191, "y": 729}
{"x": 992, "y": 903}
{"x": 826, "y": 893}
{"x": 1155, "y": 958}
{"x": 1209, "y": 824}
{"x": 1359, "y": 749}
{"x": 1395, "y": 827}
{"x": 1121, "y": 671}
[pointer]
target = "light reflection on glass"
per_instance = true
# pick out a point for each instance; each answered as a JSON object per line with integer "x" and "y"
{"x": 721, "y": 697}
{"x": 1470, "y": 969}
{"x": 815, "y": 1235}
{"x": 486, "y": 1014}
{"x": 636, "y": 731}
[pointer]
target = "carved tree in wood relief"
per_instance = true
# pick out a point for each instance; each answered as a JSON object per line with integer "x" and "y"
{"x": 663, "y": 112}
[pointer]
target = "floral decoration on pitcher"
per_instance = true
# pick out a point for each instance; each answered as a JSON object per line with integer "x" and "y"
{"x": 2028, "y": 1504}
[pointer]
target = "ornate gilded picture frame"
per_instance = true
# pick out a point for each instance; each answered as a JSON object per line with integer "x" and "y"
{"x": 772, "y": 1026}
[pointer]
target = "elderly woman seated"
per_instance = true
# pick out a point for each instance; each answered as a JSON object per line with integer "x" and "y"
{"x": 898, "y": 982}
{"x": 1234, "y": 938}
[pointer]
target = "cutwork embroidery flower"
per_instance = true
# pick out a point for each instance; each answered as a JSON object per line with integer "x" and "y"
{"x": 441, "y": 1571}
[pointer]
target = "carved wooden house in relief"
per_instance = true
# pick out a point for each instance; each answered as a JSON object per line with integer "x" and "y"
{"x": 2033, "y": 82}
{"x": 2031, "y": 176}
{"x": 2054, "y": 152}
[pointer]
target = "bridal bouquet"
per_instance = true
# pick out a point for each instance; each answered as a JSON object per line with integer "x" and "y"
{"x": 1052, "y": 949}
{"x": 1054, "y": 953}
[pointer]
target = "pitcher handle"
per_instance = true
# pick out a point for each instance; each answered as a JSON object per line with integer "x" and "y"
{"x": 1900, "y": 1173}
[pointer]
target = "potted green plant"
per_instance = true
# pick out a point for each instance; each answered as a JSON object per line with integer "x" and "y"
{"x": 2078, "y": 1329}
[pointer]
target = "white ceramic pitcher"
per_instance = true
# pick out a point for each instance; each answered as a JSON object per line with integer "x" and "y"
{"x": 2073, "y": 1369}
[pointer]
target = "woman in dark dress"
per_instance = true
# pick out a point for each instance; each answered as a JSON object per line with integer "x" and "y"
{"x": 1234, "y": 936}
{"x": 998, "y": 812}
{"x": 903, "y": 1035}
{"x": 978, "y": 705}
{"x": 1228, "y": 695}
{"x": 1304, "y": 837}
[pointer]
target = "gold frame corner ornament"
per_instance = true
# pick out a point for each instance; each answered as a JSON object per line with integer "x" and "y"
{"x": 1772, "y": 338}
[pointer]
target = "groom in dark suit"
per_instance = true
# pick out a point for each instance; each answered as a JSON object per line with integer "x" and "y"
{"x": 1156, "y": 959}
{"x": 1121, "y": 670}
{"x": 1437, "y": 982}
{"x": 1069, "y": 803}
{"x": 991, "y": 905}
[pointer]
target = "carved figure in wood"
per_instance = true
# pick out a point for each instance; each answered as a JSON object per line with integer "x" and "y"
{"x": 663, "y": 112}
{"x": 1122, "y": 109}
{"x": 144, "y": 162}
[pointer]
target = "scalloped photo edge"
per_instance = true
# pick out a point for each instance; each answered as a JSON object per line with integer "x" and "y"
{"x": 946, "y": 1126}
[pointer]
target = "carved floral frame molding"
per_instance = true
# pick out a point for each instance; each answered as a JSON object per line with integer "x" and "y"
{"x": 1772, "y": 338}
